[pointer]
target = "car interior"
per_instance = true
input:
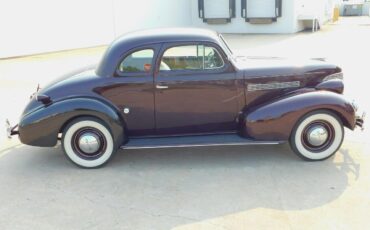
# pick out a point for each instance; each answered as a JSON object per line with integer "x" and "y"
{"x": 188, "y": 57}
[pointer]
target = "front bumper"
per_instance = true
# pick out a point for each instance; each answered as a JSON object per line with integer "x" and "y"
{"x": 360, "y": 120}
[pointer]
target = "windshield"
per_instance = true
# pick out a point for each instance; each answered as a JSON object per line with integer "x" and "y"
{"x": 225, "y": 45}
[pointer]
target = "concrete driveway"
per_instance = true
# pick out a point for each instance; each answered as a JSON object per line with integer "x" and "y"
{"x": 261, "y": 187}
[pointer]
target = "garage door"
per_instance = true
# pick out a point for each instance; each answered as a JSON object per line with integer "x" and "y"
{"x": 261, "y": 9}
{"x": 217, "y": 9}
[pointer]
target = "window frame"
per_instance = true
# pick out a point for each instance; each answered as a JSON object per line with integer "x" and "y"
{"x": 170, "y": 45}
{"x": 119, "y": 73}
{"x": 224, "y": 43}
{"x": 223, "y": 62}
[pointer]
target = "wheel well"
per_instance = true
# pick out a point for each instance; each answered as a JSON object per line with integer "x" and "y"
{"x": 338, "y": 114}
{"x": 308, "y": 150}
{"x": 62, "y": 128}
{"x": 344, "y": 120}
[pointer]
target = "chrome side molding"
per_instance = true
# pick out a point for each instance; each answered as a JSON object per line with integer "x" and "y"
{"x": 200, "y": 145}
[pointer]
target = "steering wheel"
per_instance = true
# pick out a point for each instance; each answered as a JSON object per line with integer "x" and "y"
{"x": 210, "y": 60}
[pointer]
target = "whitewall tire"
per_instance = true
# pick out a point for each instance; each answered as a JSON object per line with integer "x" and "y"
{"x": 317, "y": 136}
{"x": 88, "y": 143}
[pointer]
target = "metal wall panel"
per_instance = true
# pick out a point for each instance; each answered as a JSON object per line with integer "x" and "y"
{"x": 216, "y": 9}
{"x": 261, "y": 8}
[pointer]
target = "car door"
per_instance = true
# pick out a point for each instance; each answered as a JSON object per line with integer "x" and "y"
{"x": 195, "y": 90}
{"x": 132, "y": 90}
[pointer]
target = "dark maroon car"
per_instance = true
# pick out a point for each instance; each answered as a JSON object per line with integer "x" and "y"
{"x": 184, "y": 87}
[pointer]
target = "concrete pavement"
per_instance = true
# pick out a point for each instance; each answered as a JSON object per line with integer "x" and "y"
{"x": 249, "y": 187}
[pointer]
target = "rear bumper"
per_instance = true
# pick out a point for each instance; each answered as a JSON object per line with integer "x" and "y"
{"x": 11, "y": 130}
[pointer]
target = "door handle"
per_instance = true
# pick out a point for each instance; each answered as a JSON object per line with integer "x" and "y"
{"x": 161, "y": 86}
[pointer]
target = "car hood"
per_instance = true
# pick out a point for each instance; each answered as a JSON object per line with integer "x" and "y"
{"x": 278, "y": 66}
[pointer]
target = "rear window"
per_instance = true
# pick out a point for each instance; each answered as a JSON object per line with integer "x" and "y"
{"x": 137, "y": 61}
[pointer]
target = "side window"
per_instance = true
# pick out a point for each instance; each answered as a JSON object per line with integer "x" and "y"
{"x": 138, "y": 61}
{"x": 191, "y": 57}
{"x": 212, "y": 59}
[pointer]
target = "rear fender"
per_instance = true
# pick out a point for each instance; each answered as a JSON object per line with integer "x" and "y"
{"x": 275, "y": 120}
{"x": 41, "y": 127}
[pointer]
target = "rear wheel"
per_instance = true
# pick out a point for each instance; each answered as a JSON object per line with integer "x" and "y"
{"x": 88, "y": 142}
{"x": 317, "y": 136}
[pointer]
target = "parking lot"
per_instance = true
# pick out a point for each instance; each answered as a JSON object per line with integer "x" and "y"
{"x": 259, "y": 187}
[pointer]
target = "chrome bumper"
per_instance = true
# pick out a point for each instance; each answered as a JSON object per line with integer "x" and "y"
{"x": 11, "y": 130}
{"x": 360, "y": 121}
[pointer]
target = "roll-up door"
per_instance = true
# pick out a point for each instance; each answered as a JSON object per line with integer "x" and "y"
{"x": 261, "y": 9}
{"x": 216, "y": 11}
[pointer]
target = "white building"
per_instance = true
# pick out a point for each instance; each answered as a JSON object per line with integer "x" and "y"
{"x": 355, "y": 7}
{"x": 37, "y": 26}
{"x": 260, "y": 16}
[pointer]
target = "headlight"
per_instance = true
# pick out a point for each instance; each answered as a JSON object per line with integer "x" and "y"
{"x": 334, "y": 76}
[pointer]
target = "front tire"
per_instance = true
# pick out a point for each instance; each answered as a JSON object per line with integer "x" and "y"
{"x": 317, "y": 136}
{"x": 88, "y": 143}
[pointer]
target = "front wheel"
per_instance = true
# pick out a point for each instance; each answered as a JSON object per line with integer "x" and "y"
{"x": 317, "y": 136}
{"x": 88, "y": 143}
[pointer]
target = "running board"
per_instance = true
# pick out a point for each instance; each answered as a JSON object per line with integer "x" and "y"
{"x": 193, "y": 141}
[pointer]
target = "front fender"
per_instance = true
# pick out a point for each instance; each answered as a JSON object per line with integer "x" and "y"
{"x": 41, "y": 127}
{"x": 276, "y": 120}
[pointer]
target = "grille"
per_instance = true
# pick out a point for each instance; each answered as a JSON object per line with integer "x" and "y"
{"x": 275, "y": 85}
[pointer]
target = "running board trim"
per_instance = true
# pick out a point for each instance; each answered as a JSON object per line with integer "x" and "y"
{"x": 202, "y": 145}
{"x": 193, "y": 141}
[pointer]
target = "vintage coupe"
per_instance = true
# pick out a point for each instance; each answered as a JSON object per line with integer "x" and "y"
{"x": 184, "y": 87}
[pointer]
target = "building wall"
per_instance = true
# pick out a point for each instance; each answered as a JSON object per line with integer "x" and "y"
{"x": 365, "y": 5}
{"x": 286, "y": 24}
{"x": 322, "y": 10}
{"x": 366, "y": 9}
{"x": 38, "y": 26}
{"x": 144, "y": 14}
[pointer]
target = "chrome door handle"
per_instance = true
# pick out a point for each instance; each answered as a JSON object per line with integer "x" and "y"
{"x": 161, "y": 86}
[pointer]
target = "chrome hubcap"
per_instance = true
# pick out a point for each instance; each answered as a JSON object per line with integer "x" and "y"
{"x": 89, "y": 143}
{"x": 317, "y": 135}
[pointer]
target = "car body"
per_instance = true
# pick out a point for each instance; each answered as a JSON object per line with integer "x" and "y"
{"x": 184, "y": 87}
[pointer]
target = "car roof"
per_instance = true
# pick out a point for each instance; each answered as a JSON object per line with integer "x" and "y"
{"x": 152, "y": 36}
{"x": 167, "y": 35}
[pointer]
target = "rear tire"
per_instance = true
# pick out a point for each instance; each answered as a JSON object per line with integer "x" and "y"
{"x": 88, "y": 142}
{"x": 317, "y": 136}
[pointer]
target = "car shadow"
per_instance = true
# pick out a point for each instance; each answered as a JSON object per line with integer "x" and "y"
{"x": 182, "y": 185}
